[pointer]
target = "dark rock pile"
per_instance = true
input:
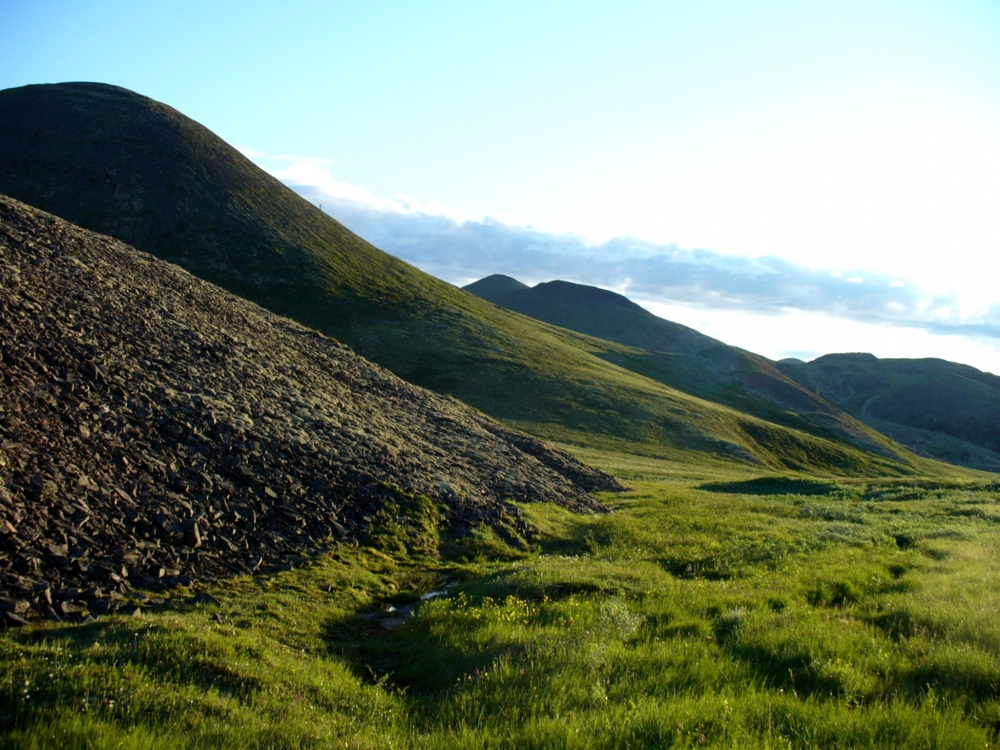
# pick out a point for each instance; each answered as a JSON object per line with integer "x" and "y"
{"x": 155, "y": 429}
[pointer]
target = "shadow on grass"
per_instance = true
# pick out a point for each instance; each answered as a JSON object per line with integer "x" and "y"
{"x": 772, "y": 486}
{"x": 104, "y": 647}
{"x": 411, "y": 653}
{"x": 421, "y": 654}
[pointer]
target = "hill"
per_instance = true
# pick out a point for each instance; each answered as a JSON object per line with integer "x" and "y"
{"x": 155, "y": 428}
{"x": 937, "y": 408}
{"x": 678, "y": 356}
{"x": 119, "y": 163}
{"x": 593, "y": 311}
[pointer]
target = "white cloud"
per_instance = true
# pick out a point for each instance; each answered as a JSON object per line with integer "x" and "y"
{"x": 807, "y": 335}
{"x": 766, "y": 304}
{"x": 314, "y": 174}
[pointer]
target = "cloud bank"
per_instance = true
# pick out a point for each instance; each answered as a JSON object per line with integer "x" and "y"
{"x": 462, "y": 249}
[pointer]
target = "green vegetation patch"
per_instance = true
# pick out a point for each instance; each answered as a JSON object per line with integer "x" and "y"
{"x": 685, "y": 618}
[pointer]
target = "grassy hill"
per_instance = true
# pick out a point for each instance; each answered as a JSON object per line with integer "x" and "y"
{"x": 938, "y": 408}
{"x": 678, "y": 356}
{"x": 121, "y": 164}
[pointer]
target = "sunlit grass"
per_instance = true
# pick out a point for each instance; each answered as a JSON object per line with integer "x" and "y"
{"x": 859, "y": 614}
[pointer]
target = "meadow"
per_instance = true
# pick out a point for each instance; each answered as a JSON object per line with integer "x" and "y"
{"x": 712, "y": 607}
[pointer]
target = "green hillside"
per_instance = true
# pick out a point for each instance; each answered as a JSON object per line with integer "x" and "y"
{"x": 119, "y": 163}
{"x": 678, "y": 356}
{"x": 938, "y": 408}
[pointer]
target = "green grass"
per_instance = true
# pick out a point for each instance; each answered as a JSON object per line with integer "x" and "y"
{"x": 711, "y": 608}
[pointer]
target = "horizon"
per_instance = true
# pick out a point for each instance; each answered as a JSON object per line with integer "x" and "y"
{"x": 785, "y": 180}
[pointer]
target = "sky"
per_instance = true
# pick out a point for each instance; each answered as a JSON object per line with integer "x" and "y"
{"x": 795, "y": 178}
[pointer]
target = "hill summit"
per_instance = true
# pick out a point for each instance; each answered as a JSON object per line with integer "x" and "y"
{"x": 681, "y": 357}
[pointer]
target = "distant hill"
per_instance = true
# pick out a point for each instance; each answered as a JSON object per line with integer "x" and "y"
{"x": 495, "y": 287}
{"x": 596, "y": 312}
{"x": 147, "y": 414}
{"x": 119, "y": 163}
{"x": 676, "y": 355}
{"x": 935, "y": 407}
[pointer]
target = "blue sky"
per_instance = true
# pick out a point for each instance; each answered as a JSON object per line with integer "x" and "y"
{"x": 792, "y": 177}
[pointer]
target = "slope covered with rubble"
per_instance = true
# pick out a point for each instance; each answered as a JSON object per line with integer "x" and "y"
{"x": 154, "y": 428}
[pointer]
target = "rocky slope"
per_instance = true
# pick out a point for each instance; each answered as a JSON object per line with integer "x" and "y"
{"x": 155, "y": 429}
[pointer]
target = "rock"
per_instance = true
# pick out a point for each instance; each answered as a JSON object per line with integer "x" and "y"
{"x": 102, "y": 606}
{"x": 67, "y": 609}
{"x": 13, "y": 620}
{"x": 17, "y": 606}
{"x": 203, "y": 597}
{"x": 51, "y": 614}
{"x": 390, "y": 623}
{"x": 192, "y": 535}
{"x": 408, "y": 612}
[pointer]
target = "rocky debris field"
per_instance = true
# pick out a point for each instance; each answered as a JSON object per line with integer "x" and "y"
{"x": 155, "y": 430}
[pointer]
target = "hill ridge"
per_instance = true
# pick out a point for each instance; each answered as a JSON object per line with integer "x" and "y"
{"x": 937, "y": 408}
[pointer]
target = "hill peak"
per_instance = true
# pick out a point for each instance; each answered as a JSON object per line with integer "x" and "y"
{"x": 570, "y": 292}
{"x": 491, "y": 286}
{"x": 848, "y": 357}
{"x": 593, "y": 311}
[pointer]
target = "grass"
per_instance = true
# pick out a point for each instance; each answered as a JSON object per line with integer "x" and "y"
{"x": 709, "y": 609}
